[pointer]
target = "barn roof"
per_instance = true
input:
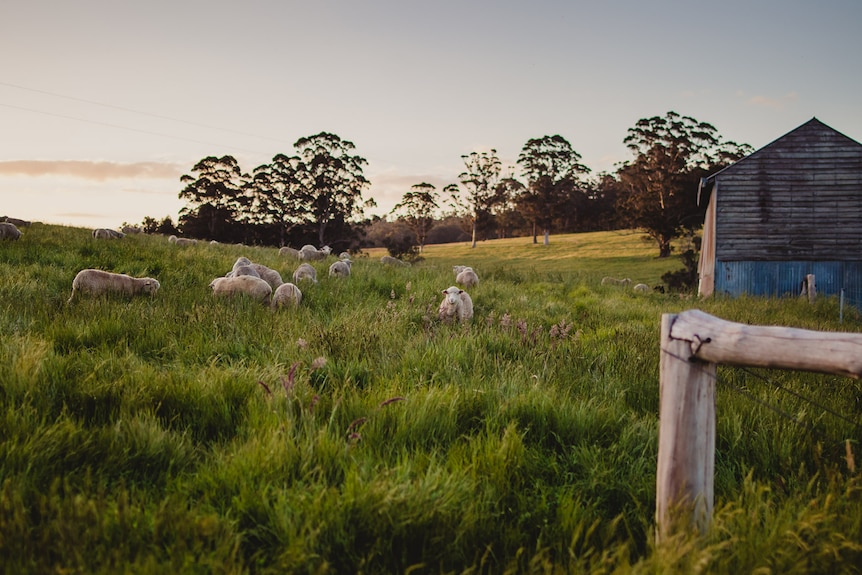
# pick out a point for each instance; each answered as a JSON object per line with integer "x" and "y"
{"x": 810, "y": 132}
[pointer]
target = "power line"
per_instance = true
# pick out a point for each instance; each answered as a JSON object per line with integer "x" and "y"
{"x": 151, "y": 115}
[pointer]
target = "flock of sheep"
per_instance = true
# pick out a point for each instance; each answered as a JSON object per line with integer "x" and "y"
{"x": 265, "y": 284}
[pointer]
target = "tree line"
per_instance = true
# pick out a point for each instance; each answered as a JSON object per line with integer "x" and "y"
{"x": 316, "y": 195}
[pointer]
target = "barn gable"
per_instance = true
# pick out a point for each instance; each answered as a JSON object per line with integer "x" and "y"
{"x": 789, "y": 207}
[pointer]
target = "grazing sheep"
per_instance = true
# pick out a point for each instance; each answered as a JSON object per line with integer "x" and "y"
{"x": 269, "y": 275}
{"x": 456, "y": 304}
{"x": 305, "y": 272}
{"x": 289, "y": 252}
{"x": 286, "y": 295}
{"x": 242, "y": 285}
{"x": 8, "y": 231}
{"x": 107, "y": 234}
{"x": 341, "y": 268}
{"x": 243, "y": 270}
{"x": 96, "y": 282}
{"x": 390, "y": 261}
{"x": 131, "y": 230}
{"x": 240, "y": 261}
{"x": 641, "y": 288}
{"x": 185, "y": 241}
{"x": 15, "y": 221}
{"x": 344, "y": 256}
{"x": 608, "y": 281}
{"x": 467, "y": 277}
{"x": 310, "y": 253}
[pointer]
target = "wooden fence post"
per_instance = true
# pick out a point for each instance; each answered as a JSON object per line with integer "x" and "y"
{"x": 686, "y": 443}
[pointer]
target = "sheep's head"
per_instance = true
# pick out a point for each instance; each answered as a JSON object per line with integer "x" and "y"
{"x": 453, "y": 295}
{"x": 151, "y": 285}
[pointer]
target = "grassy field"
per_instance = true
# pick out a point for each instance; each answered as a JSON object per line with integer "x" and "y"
{"x": 358, "y": 434}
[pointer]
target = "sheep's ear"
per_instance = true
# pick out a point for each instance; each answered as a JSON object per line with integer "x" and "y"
{"x": 460, "y": 291}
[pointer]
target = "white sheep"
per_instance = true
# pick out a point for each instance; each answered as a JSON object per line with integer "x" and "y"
{"x": 641, "y": 288}
{"x": 466, "y": 277}
{"x": 390, "y": 261}
{"x": 305, "y": 272}
{"x": 310, "y": 253}
{"x": 182, "y": 241}
{"x": 8, "y": 231}
{"x": 609, "y": 281}
{"x": 240, "y": 261}
{"x": 243, "y": 270}
{"x": 341, "y": 268}
{"x": 131, "y": 230}
{"x": 290, "y": 252}
{"x": 96, "y": 282}
{"x": 107, "y": 234}
{"x": 286, "y": 295}
{"x": 344, "y": 256}
{"x": 238, "y": 285}
{"x": 16, "y": 221}
{"x": 456, "y": 304}
{"x": 269, "y": 275}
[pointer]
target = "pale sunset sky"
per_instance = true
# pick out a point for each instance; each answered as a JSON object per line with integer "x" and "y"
{"x": 105, "y": 104}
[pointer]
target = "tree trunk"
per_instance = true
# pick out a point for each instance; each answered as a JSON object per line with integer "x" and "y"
{"x": 664, "y": 248}
{"x": 473, "y": 245}
{"x": 535, "y": 241}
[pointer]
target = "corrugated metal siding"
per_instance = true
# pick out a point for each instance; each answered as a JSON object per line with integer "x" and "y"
{"x": 781, "y": 279}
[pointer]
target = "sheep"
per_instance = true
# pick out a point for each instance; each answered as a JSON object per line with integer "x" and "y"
{"x": 390, "y": 261}
{"x": 238, "y": 285}
{"x": 344, "y": 256}
{"x": 8, "y": 231}
{"x": 182, "y": 241}
{"x": 243, "y": 271}
{"x": 96, "y": 282}
{"x": 305, "y": 272}
{"x": 289, "y": 252}
{"x": 107, "y": 234}
{"x": 456, "y": 304}
{"x": 341, "y": 268}
{"x": 287, "y": 294}
{"x": 609, "y": 281}
{"x": 641, "y": 288}
{"x": 269, "y": 275}
{"x": 241, "y": 261}
{"x": 131, "y": 230}
{"x": 467, "y": 277}
{"x": 310, "y": 253}
{"x": 16, "y": 221}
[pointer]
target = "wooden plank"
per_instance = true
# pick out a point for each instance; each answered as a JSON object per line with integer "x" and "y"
{"x": 715, "y": 340}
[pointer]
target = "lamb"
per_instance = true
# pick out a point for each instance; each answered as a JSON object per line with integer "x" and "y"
{"x": 242, "y": 285}
{"x": 390, "y": 261}
{"x": 107, "y": 234}
{"x": 466, "y": 276}
{"x": 641, "y": 288}
{"x": 8, "y": 231}
{"x": 305, "y": 272}
{"x": 609, "y": 281}
{"x": 290, "y": 253}
{"x": 96, "y": 282}
{"x": 287, "y": 294}
{"x": 341, "y": 268}
{"x": 456, "y": 304}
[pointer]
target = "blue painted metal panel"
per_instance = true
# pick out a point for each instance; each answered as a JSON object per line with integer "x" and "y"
{"x": 781, "y": 279}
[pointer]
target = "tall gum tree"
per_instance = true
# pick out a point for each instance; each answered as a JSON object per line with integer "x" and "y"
{"x": 417, "y": 209}
{"x": 659, "y": 187}
{"x": 552, "y": 170}
{"x": 216, "y": 190}
{"x": 331, "y": 180}
{"x": 480, "y": 181}
{"x": 278, "y": 197}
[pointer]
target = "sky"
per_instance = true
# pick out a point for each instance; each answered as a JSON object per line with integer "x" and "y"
{"x": 104, "y": 105}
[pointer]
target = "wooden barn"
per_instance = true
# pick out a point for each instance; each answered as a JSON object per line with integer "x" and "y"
{"x": 792, "y": 208}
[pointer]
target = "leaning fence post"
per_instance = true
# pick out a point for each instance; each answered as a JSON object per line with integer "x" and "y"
{"x": 686, "y": 445}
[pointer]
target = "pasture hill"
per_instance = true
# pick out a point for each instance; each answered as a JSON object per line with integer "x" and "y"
{"x": 357, "y": 433}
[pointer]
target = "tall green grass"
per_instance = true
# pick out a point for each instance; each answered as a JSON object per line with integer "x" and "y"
{"x": 178, "y": 433}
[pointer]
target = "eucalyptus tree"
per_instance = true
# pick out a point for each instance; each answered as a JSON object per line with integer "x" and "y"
{"x": 278, "y": 195}
{"x": 417, "y": 209}
{"x": 216, "y": 193}
{"x": 330, "y": 180}
{"x": 659, "y": 188}
{"x": 479, "y": 180}
{"x": 552, "y": 170}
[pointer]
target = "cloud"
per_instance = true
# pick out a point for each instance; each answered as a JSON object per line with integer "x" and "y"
{"x": 87, "y": 170}
{"x": 770, "y": 102}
